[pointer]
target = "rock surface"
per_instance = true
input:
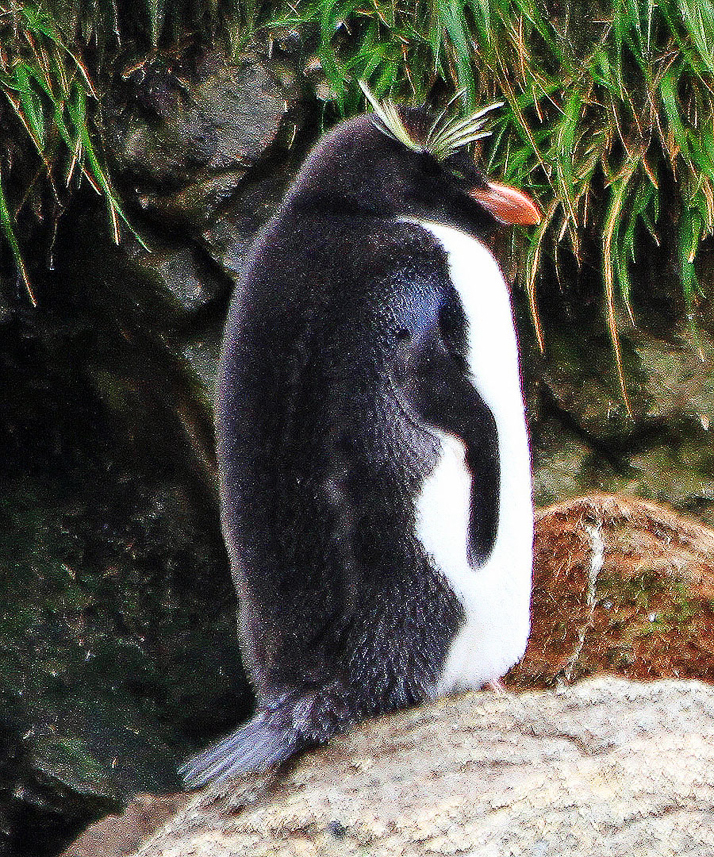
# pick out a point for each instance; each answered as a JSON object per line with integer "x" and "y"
{"x": 583, "y": 439}
{"x": 606, "y": 767}
{"x": 116, "y": 836}
{"x": 189, "y": 131}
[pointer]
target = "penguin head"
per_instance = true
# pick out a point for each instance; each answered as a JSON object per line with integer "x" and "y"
{"x": 405, "y": 162}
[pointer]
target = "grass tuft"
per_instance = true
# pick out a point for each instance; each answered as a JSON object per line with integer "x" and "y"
{"x": 608, "y": 117}
{"x": 619, "y": 95}
{"x": 48, "y": 88}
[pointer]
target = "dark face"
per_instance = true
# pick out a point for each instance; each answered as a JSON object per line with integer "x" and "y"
{"x": 441, "y": 191}
{"x": 357, "y": 169}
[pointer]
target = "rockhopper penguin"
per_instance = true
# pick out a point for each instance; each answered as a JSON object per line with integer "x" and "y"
{"x": 374, "y": 460}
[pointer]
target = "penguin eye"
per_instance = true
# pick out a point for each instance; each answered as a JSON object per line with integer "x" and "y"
{"x": 403, "y": 335}
{"x": 461, "y": 168}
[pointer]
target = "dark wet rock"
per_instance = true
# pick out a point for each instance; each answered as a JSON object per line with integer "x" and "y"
{"x": 289, "y": 40}
{"x": 204, "y": 148}
{"x": 229, "y": 237}
{"x": 110, "y": 552}
{"x": 667, "y": 381}
{"x": 201, "y": 351}
{"x": 177, "y": 274}
{"x": 583, "y": 438}
{"x": 184, "y": 136}
{"x": 105, "y": 664}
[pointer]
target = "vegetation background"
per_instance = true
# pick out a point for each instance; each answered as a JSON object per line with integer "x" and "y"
{"x": 118, "y": 245}
{"x": 609, "y": 107}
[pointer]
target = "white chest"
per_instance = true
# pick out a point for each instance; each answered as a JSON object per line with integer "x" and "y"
{"x": 495, "y": 596}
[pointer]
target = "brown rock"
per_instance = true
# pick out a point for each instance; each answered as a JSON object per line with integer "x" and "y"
{"x": 119, "y": 835}
{"x": 621, "y": 585}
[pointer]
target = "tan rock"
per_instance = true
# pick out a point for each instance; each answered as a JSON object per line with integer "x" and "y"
{"x": 119, "y": 835}
{"x": 606, "y": 767}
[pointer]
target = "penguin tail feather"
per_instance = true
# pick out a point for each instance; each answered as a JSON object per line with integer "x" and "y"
{"x": 280, "y": 728}
{"x": 256, "y": 746}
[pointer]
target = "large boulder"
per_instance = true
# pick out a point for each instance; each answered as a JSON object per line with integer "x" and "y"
{"x": 608, "y": 766}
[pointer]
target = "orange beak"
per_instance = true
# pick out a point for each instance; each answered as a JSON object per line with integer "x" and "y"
{"x": 507, "y": 204}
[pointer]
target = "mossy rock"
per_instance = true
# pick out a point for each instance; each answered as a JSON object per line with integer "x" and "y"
{"x": 620, "y": 585}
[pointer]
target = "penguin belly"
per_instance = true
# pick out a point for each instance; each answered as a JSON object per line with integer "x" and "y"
{"x": 495, "y": 596}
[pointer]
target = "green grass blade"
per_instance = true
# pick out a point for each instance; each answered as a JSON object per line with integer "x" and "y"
{"x": 30, "y": 104}
{"x": 8, "y": 230}
{"x": 77, "y": 111}
{"x": 613, "y": 218}
{"x": 451, "y": 15}
{"x": 668, "y": 89}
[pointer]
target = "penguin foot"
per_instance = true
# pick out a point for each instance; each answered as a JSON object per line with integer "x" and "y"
{"x": 496, "y": 685}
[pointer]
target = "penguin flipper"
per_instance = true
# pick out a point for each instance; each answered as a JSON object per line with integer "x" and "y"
{"x": 441, "y": 394}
